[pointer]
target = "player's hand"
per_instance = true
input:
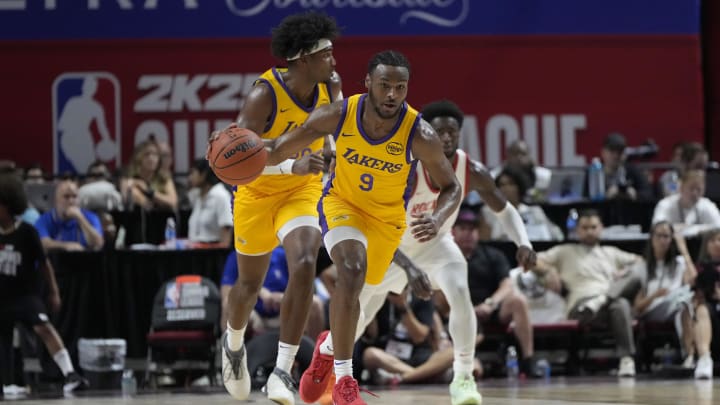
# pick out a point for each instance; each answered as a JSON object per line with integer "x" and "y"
{"x": 419, "y": 283}
{"x": 424, "y": 227}
{"x": 311, "y": 163}
{"x": 526, "y": 257}
{"x": 214, "y": 136}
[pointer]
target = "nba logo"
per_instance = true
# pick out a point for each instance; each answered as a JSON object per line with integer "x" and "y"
{"x": 86, "y": 121}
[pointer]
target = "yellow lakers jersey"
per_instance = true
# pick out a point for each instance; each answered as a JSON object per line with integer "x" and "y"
{"x": 288, "y": 113}
{"x": 373, "y": 175}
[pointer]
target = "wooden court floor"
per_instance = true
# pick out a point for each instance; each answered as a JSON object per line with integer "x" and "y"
{"x": 555, "y": 391}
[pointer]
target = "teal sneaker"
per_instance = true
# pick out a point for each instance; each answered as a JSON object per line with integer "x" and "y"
{"x": 463, "y": 391}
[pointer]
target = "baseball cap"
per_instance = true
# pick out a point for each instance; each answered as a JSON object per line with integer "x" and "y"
{"x": 615, "y": 142}
{"x": 467, "y": 216}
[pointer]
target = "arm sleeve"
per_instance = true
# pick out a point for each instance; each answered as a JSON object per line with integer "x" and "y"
{"x": 623, "y": 258}
{"x": 662, "y": 211}
{"x": 501, "y": 264}
{"x": 710, "y": 214}
{"x": 551, "y": 256}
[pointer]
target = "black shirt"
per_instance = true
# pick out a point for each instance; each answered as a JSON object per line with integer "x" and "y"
{"x": 389, "y": 319}
{"x": 487, "y": 268}
{"x": 20, "y": 254}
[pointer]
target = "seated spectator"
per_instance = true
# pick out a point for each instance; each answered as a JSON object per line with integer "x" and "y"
{"x": 517, "y": 155}
{"x": 666, "y": 295}
{"x": 513, "y": 184}
{"x": 23, "y": 266}
{"x": 211, "y": 219}
{"x": 145, "y": 184}
{"x": 398, "y": 344}
{"x": 686, "y": 156}
{"x": 98, "y": 193}
{"x": 266, "y": 314}
{"x": 67, "y": 226}
{"x": 707, "y": 285}
{"x": 491, "y": 291}
{"x": 599, "y": 282}
{"x": 689, "y": 206}
{"x": 622, "y": 179}
{"x": 35, "y": 174}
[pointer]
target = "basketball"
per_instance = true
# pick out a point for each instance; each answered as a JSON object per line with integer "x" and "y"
{"x": 237, "y": 156}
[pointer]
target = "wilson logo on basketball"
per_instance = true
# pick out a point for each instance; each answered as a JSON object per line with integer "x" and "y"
{"x": 241, "y": 147}
{"x": 394, "y": 148}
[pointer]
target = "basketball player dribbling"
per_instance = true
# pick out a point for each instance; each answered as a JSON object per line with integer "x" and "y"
{"x": 379, "y": 138}
{"x": 441, "y": 258}
{"x": 280, "y": 206}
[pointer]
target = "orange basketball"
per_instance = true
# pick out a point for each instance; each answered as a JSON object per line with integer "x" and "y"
{"x": 237, "y": 156}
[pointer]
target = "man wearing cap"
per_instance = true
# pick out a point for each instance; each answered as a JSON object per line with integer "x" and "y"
{"x": 622, "y": 179}
{"x": 440, "y": 257}
{"x": 280, "y": 207}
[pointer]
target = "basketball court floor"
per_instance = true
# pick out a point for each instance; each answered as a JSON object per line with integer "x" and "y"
{"x": 591, "y": 391}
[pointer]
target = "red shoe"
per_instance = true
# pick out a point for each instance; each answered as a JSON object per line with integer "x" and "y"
{"x": 315, "y": 379}
{"x": 347, "y": 392}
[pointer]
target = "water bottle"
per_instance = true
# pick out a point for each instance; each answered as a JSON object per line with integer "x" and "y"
{"x": 170, "y": 234}
{"x": 571, "y": 224}
{"x": 596, "y": 180}
{"x": 128, "y": 383}
{"x": 544, "y": 366}
{"x": 511, "y": 363}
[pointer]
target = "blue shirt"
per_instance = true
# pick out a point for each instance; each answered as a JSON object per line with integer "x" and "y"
{"x": 50, "y": 225}
{"x": 276, "y": 279}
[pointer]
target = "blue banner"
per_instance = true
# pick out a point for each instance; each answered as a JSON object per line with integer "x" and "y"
{"x": 109, "y": 19}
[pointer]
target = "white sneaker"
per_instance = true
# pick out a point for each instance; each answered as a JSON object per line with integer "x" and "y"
{"x": 280, "y": 387}
{"x": 13, "y": 390}
{"x": 235, "y": 374}
{"x": 627, "y": 367}
{"x": 704, "y": 368}
{"x": 689, "y": 362}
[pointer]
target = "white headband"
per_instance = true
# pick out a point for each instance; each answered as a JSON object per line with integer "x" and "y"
{"x": 321, "y": 44}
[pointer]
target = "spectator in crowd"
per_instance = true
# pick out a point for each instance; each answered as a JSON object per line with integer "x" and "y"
{"x": 211, "y": 218}
{"x": 400, "y": 341}
{"x": 666, "y": 295}
{"x": 67, "y": 226}
{"x": 35, "y": 174}
{"x": 517, "y": 155}
{"x": 491, "y": 291}
{"x": 513, "y": 184}
{"x": 686, "y": 156}
{"x": 690, "y": 206}
{"x": 166, "y": 159}
{"x": 23, "y": 266}
{"x": 266, "y": 314}
{"x": 622, "y": 179}
{"x": 707, "y": 285}
{"x": 145, "y": 184}
{"x": 600, "y": 282}
{"x": 98, "y": 193}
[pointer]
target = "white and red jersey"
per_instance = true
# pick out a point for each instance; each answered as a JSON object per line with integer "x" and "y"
{"x": 423, "y": 199}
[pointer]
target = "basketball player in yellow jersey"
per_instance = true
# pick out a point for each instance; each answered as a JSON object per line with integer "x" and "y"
{"x": 362, "y": 211}
{"x": 280, "y": 206}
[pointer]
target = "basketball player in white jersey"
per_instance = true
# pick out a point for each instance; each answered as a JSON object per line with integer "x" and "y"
{"x": 440, "y": 257}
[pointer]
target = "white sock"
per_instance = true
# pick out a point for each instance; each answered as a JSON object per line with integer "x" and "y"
{"x": 326, "y": 347}
{"x": 286, "y": 356}
{"x": 62, "y": 359}
{"x": 463, "y": 364}
{"x": 343, "y": 368}
{"x": 235, "y": 337}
